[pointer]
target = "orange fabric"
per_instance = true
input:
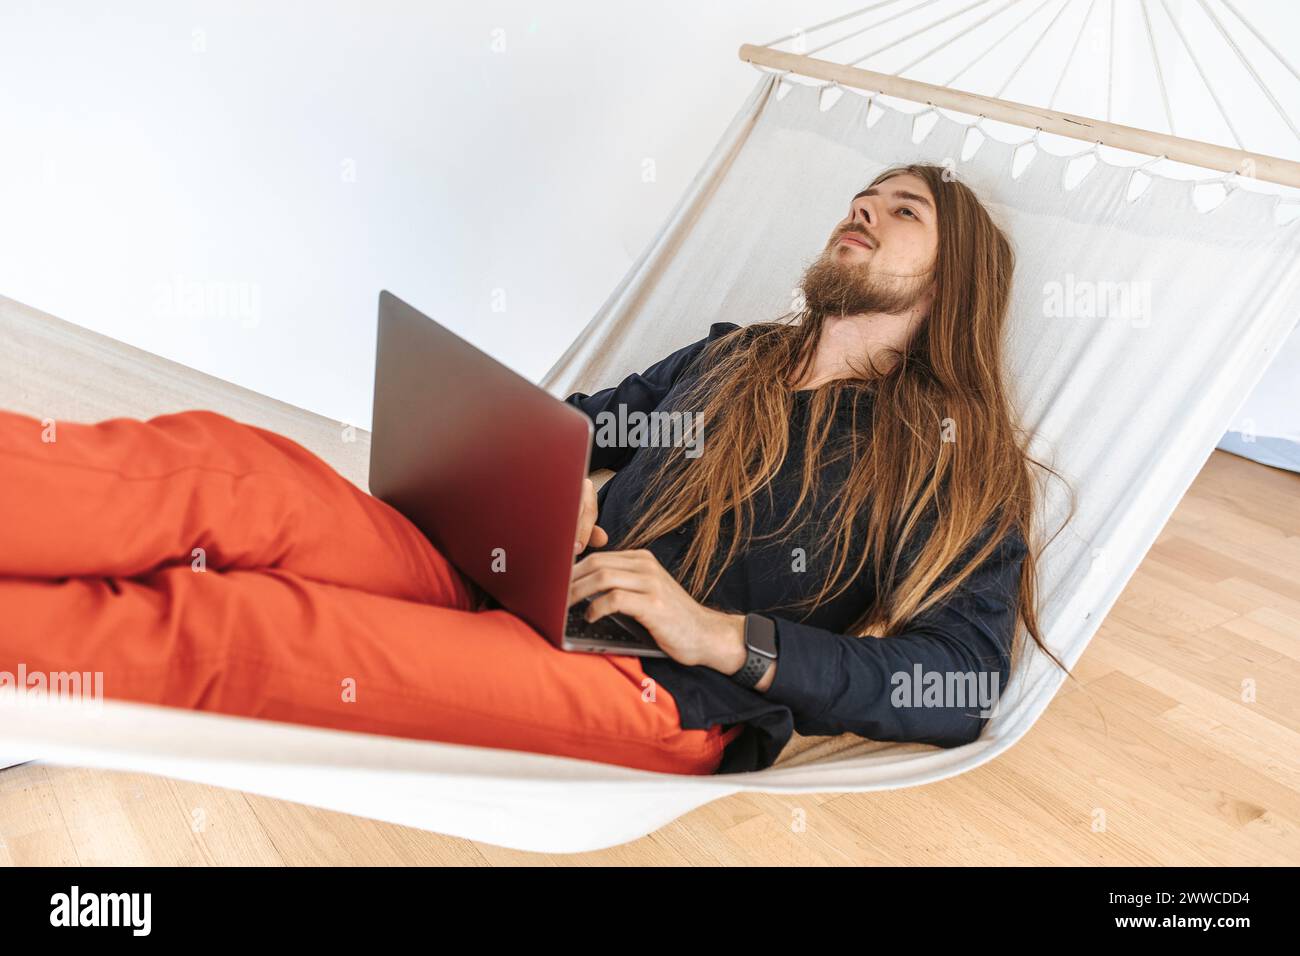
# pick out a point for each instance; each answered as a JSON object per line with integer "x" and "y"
{"x": 311, "y": 602}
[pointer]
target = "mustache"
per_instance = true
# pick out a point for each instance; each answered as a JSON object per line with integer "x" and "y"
{"x": 852, "y": 231}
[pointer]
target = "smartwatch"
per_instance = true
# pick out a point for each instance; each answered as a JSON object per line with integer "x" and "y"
{"x": 760, "y": 643}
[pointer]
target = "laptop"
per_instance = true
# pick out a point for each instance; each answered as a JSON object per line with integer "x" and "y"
{"x": 490, "y": 468}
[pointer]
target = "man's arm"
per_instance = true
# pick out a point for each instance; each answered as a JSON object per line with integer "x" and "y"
{"x": 640, "y": 391}
{"x": 932, "y": 683}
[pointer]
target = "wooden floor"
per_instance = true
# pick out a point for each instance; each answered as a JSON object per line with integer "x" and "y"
{"x": 1181, "y": 747}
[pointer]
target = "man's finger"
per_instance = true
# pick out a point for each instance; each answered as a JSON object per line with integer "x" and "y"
{"x": 594, "y": 536}
{"x": 619, "y": 601}
{"x": 588, "y": 512}
{"x": 609, "y": 579}
{"x": 608, "y": 559}
{"x": 586, "y": 515}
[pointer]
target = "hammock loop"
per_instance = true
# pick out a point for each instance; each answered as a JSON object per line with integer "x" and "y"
{"x": 1227, "y": 181}
{"x": 1153, "y": 159}
{"x": 1031, "y": 140}
{"x": 977, "y": 124}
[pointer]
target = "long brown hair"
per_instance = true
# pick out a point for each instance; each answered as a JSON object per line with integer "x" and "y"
{"x": 942, "y": 450}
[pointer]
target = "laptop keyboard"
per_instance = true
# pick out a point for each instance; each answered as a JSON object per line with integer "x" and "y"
{"x": 615, "y": 628}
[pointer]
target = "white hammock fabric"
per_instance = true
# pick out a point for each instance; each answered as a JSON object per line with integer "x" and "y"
{"x": 1127, "y": 409}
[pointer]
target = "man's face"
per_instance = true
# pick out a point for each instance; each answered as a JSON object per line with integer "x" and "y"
{"x": 881, "y": 255}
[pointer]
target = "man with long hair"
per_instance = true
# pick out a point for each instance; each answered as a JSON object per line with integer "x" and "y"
{"x": 860, "y": 469}
{"x": 847, "y": 552}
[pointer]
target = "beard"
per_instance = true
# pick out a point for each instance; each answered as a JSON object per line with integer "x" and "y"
{"x": 837, "y": 284}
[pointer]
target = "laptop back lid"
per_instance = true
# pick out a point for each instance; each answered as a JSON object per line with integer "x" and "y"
{"x": 486, "y": 464}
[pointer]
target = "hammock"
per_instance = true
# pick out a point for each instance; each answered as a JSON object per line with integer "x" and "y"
{"x": 1125, "y": 393}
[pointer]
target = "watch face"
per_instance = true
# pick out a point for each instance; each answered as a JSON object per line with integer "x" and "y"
{"x": 760, "y": 634}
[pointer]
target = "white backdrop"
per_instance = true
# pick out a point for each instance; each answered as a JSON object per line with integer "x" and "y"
{"x": 230, "y": 184}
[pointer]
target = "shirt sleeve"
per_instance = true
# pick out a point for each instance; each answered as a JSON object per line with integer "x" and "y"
{"x": 934, "y": 683}
{"x": 640, "y": 391}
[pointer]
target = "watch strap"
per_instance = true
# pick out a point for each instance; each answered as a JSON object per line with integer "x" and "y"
{"x": 760, "y": 633}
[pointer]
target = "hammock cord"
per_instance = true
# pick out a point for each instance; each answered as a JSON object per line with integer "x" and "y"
{"x": 1158, "y": 66}
{"x": 915, "y": 33}
{"x": 1262, "y": 39}
{"x": 1110, "y": 62}
{"x": 1160, "y": 74}
{"x": 829, "y": 23}
{"x": 956, "y": 36}
{"x": 872, "y": 26}
{"x": 993, "y": 46}
{"x": 1033, "y": 47}
{"x": 1204, "y": 79}
{"x": 1083, "y": 28}
{"x": 1250, "y": 69}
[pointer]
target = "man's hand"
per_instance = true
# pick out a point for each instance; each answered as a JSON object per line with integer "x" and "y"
{"x": 588, "y": 531}
{"x": 636, "y": 584}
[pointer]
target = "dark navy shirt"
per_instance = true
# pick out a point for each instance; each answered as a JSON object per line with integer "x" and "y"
{"x": 827, "y": 681}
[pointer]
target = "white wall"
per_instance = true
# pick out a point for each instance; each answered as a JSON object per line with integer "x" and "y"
{"x": 299, "y": 160}
{"x": 231, "y": 184}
